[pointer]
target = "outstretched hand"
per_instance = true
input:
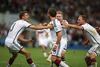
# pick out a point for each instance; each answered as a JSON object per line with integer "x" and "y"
{"x": 55, "y": 47}
{"x": 65, "y": 24}
{"x": 97, "y": 28}
{"x": 30, "y": 41}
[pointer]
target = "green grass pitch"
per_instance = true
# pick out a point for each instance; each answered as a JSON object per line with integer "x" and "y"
{"x": 74, "y": 58}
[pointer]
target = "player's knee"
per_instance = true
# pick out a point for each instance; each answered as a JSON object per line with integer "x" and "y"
{"x": 87, "y": 59}
{"x": 53, "y": 58}
{"x": 63, "y": 58}
{"x": 93, "y": 55}
{"x": 15, "y": 55}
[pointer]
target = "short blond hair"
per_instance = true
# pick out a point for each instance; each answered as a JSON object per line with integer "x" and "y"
{"x": 59, "y": 12}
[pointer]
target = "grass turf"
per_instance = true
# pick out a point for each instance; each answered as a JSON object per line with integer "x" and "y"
{"x": 74, "y": 58}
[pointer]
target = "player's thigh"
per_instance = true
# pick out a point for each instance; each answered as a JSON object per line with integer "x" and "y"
{"x": 95, "y": 49}
{"x": 63, "y": 44}
{"x": 58, "y": 51}
{"x": 14, "y": 47}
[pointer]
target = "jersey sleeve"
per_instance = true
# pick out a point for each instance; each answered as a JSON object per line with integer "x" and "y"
{"x": 85, "y": 26}
{"x": 57, "y": 26}
{"x": 26, "y": 24}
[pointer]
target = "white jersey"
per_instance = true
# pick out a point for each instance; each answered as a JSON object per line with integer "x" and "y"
{"x": 41, "y": 33}
{"x": 15, "y": 30}
{"x": 64, "y": 30}
{"x": 57, "y": 28}
{"x": 91, "y": 34}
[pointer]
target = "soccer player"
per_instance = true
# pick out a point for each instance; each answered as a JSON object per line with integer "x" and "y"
{"x": 56, "y": 34}
{"x": 11, "y": 40}
{"x": 93, "y": 37}
{"x": 64, "y": 39}
{"x": 42, "y": 37}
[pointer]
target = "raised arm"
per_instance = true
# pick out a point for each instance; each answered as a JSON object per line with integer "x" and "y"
{"x": 73, "y": 26}
{"x": 40, "y": 27}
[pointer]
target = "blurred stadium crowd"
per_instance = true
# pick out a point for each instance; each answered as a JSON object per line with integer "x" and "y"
{"x": 71, "y": 9}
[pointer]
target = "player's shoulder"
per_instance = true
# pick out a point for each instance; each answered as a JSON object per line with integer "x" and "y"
{"x": 86, "y": 25}
{"x": 65, "y": 21}
{"x": 56, "y": 20}
{"x": 20, "y": 21}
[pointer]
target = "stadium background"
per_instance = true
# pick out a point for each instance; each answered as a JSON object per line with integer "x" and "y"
{"x": 38, "y": 13}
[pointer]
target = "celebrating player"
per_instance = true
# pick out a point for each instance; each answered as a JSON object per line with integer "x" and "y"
{"x": 64, "y": 35}
{"x": 64, "y": 39}
{"x": 43, "y": 38}
{"x": 93, "y": 37}
{"x": 12, "y": 37}
{"x": 56, "y": 34}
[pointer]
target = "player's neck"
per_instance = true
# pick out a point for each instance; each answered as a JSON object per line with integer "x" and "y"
{"x": 84, "y": 23}
{"x": 24, "y": 20}
{"x": 52, "y": 18}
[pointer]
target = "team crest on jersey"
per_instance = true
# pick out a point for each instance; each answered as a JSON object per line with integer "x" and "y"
{"x": 56, "y": 29}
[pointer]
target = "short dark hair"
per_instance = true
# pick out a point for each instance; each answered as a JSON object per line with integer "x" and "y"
{"x": 22, "y": 14}
{"x": 52, "y": 12}
{"x": 84, "y": 17}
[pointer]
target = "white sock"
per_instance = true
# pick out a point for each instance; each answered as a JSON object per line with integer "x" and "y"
{"x": 32, "y": 65}
{"x": 49, "y": 57}
{"x": 63, "y": 64}
{"x": 93, "y": 65}
{"x": 8, "y": 65}
{"x": 45, "y": 54}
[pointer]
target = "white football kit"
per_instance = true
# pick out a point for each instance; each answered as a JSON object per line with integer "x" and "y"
{"x": 93, "y": 37}
{"x": 43, "y": 40}
{"x": 64, "y": 38}
{"x": 15, "y": 30}
{"x": 57, "y": 28}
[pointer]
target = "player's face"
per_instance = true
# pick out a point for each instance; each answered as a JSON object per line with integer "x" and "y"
{"x": 26, "y": 16}
{"x": 80, "y": 20}
{"x": 59, "y": 17}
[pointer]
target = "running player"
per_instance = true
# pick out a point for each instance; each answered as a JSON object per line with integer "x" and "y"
{"x": 93, "y": 37}
{"x": 12, "y": 37}
{"x": 42, "y": 38}
{"x": 64, "y": 39}
{"x": 56, "y": 34}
